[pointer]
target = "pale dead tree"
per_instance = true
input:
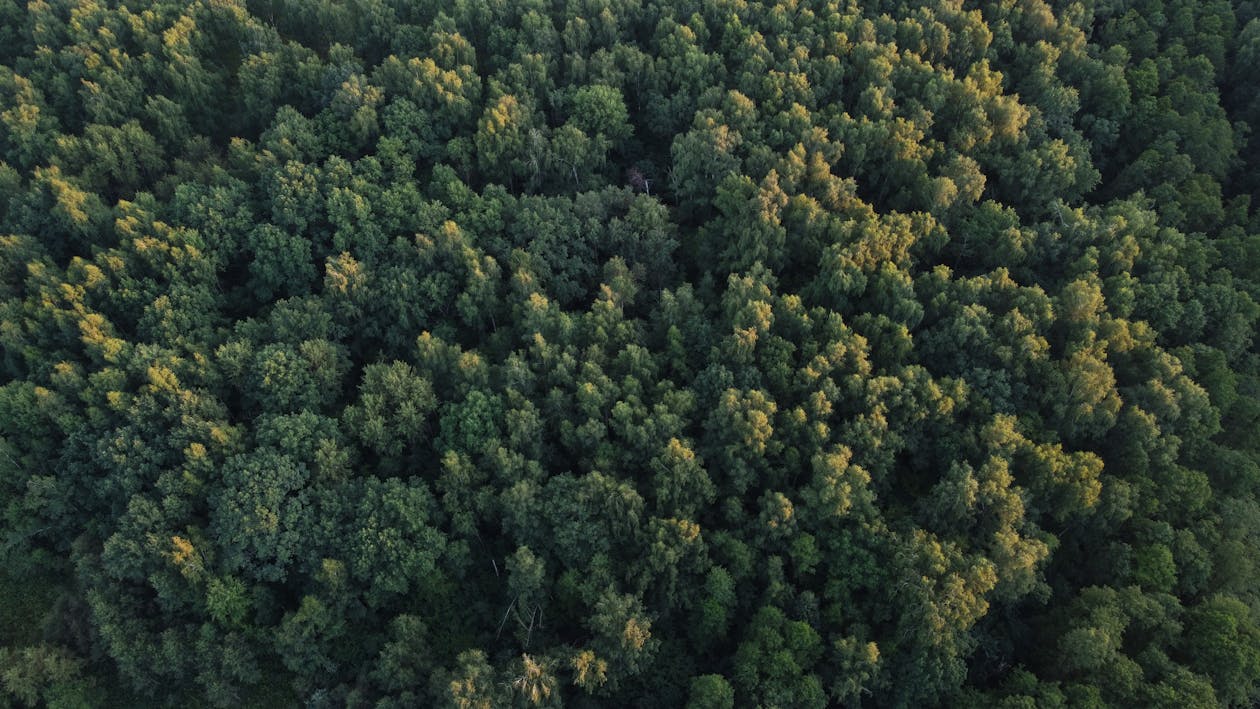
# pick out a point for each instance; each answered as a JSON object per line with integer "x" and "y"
{"x": 535, "y": 620}
{"x": 535, "y": 616}
{"x": 505, "y": 617}
{"x": 539, "y": 150}
{"x": 638, "y": 181}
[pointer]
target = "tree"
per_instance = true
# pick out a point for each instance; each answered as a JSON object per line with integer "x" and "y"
{"x": 393, "y": 548}
{"x": 1223, "y": 642}
{"x": 502, "y": 138}
{"x": 261, "y": 515}
{"x": 392, "y": 409}
{"x": 472, "y": 684}
{"x": 774, "y": 661}
{"x": 711, "y": 692}
{"x": 600, "y": 111}
{"x": 282, "y": 264}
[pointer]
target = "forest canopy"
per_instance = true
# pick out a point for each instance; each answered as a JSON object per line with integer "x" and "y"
{"x": 642, "y": 353}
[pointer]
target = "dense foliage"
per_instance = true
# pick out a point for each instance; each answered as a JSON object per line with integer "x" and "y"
{"x": 714, "y": 353}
